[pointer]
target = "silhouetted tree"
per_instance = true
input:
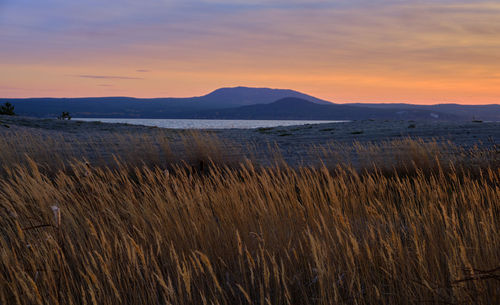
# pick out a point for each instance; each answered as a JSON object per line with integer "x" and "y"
{"x": 7, "y": 109}
{"x": 64, "y": 116}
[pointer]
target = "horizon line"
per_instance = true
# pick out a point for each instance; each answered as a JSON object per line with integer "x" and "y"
{"x": 247, "y": 87}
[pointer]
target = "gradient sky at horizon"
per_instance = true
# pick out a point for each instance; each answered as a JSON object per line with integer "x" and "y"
{"x": 422, "y": 52}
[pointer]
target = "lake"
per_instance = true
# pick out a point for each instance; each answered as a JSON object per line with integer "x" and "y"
{"x": 206, "y": 124}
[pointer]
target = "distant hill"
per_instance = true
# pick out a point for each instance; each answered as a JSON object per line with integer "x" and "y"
{"x": 127, "y": 107}
{"x": 300, "y": 109}
{"x": 244, "y": 103}
{"x": 243, "y": 96}
{"x": 466, "y": 112}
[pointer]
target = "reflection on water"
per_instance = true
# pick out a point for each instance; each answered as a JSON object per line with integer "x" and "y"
{"x": 207, "y": 124}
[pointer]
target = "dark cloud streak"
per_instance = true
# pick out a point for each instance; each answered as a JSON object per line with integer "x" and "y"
{"x": 108, "y": 77}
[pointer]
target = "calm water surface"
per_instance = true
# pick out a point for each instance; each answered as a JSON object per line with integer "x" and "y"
{"x": 206, "y": 124}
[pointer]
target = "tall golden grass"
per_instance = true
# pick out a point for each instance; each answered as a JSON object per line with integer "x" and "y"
{"x": 251, "y": 235}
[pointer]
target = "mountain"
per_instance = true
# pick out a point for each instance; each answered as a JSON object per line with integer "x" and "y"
{"x": 243, "y": 96}
{"x": 126, "y": 107}
{"x": 466, "y": 112}
{"x": 300, "y": 109}
{"x": 244, "y": 103}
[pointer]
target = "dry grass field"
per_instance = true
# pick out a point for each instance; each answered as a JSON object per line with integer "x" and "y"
{"x": 400, "y": 222}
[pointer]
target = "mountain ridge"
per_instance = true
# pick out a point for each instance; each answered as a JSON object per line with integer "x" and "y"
{"x": 300, "y": 109}
{"x": 223, "y": 102}
{"x": 152, "y": 107}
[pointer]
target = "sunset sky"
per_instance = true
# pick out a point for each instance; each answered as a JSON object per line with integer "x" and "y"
{"x": 422, "y": 52}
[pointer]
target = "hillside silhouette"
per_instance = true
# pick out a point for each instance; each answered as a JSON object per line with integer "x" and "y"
{"x": 245, "y": 103}
{"x": 301, "y": 109}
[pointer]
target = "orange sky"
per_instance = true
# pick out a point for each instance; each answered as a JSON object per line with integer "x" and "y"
{"x": 422, "y": 52}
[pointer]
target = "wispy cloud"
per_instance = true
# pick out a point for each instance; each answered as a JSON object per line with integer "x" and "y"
{"x": 108, "y": 77}
{"x": 142, "y": 70}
